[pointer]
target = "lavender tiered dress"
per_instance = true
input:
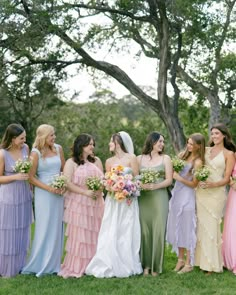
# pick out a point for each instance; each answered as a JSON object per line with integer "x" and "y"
{"x": 181, "y": 224}
{"x": 15, "y": 220}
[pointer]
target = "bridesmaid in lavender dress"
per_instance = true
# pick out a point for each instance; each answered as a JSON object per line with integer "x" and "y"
{"x": 181, "y": 224}
{"x": 15, "y": 203}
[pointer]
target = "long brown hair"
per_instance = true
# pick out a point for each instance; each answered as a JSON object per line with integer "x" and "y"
{"x": 116, "y": 138}
{"x": 12, "y": 131}
{"x": 228, "y": 141}
{"x": 80, "y": 142}
{"x": 151, "y": 139}
{"x": 198, "y": 139}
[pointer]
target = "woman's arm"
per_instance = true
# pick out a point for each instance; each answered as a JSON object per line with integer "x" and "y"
{"x": 168, "y": 174}
{"x": 98, "y": 163}
{"x": 134, "y": 164}
{"x": 62, "y": 157}
{"x": 9, "y": 178}
{"x": 229, "y": 165}
{"x": 191, "y": 183}
{"x": 69, "y": 168}
{"x": 35, "y": 181}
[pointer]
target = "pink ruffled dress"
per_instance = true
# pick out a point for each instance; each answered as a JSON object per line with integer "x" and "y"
{"x": 83, "y": 217}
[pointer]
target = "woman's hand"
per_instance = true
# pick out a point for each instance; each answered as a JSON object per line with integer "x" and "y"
{"x": 206, "y": 184}
{"x": 176, "y": 176}
{"x": 21, "y": 176}
{"x": 148, "y": 186}
{"x": 57, "y": 191}
{"x": 91, "y": 194}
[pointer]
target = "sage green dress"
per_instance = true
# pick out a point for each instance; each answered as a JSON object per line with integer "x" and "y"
{"x": 153, "y": 212}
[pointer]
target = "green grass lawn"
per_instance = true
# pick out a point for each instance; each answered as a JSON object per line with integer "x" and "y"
{"x": 169, "y": 282}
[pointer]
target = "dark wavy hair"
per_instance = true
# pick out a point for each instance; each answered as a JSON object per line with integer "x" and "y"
{"x": 80, "y": 142}
{"x": 117, "y": 138}
{"x": 228, "y": 141}
{"x": 12, "y": 131}
{"x": 151, "y": 139}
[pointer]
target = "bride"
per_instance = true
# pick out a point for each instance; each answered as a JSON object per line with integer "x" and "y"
{"x": 119, "y": 238}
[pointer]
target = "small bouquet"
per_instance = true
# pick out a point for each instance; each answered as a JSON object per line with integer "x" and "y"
{"x": 178, "y": 164}
{"x": 122, "y": 186}
{"x": 150, "y": 175}
{"x": 94, "y": 183}
{"x": 59, "y": 181}
{"x": 233, "y": 179}
{"x": 23, "y": 165}
{"x": 202, "y": 173}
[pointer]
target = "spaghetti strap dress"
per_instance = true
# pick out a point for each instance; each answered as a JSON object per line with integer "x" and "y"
{"x": 15, "y": 220}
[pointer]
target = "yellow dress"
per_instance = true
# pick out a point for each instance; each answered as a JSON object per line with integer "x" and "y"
{"x": 210, "y": 205}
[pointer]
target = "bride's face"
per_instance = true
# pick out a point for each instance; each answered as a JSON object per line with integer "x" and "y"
{"x": 112, "y": 145}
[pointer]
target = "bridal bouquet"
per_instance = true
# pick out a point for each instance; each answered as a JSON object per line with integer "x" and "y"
{"x": 59, "y": 181}
{"x": 202, "y": 173}
{"x": 121, "y": 186}
{"x": 23, "y": 165}
{"x": 178, "y": 164}
{"x": 150, "y": 175}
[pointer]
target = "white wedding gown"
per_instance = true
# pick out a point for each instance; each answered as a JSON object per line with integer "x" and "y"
{"x": 118, "y": 245}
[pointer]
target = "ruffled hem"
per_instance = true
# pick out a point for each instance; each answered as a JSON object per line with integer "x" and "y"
{"x": 13, "y": 242}
{"x": 11, "y": 265}
{"x": 85, "y": 206}
{"x": 191, "y": 238}
{"x": 90, "y": 223}
{"x": 77, "y": 201}
{"x": 82, "y": 235}
{"x": 73, "y": 266}
{"x": 15, "y": 216}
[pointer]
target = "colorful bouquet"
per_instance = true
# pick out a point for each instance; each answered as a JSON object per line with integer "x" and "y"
{"x": 178, "y": 164}
{"x": 59, "y": 181}
{"x": 202, "y": 173}
{"x": 150, "y": 175}
{"x": 23, "y": 165}
{"x": 121, "y": 186}
{"x": 94, "y": 183}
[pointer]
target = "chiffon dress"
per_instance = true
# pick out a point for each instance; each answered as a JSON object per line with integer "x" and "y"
{"x": 181, "y": 224}
{"x": 153, "y": 212}
{"x": 118, "y": 246}
{"x": 229, "y": 232}
{"x": 15, "y": 220}
{"x": 46, "y": 252}
{"x": 210, "y": 205}
{"x": 83, "y": 216}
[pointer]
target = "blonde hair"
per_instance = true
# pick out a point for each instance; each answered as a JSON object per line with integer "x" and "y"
{"x": 42, "y": 133}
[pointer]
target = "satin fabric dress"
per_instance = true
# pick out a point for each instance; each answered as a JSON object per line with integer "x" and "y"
{"x": 46, "y": 252}
{"x": 153, "y": 212}
{"x": 229, "y": 232}
{"x": 118, "y": 246}
{"x": 210, "y": 206}
{"x": 181, "y": 224}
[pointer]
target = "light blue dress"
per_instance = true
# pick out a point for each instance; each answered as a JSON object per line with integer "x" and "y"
{"x": 46, "y": 252}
